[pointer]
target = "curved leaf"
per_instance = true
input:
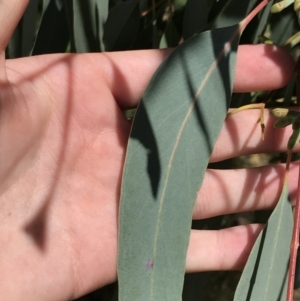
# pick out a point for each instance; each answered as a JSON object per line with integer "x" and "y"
{"x": 173, "y": 134}
{"x": 265, "y": 275}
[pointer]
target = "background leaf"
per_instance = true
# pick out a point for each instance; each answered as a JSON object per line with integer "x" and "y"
{"x": 233, "y": 12}
{"x": 170, "y": 37}
{"x": 87, "y": 20}
{"x": 283, "y": 26}
{"x": 121, "y": 35}
{"x": 195, "y": 17}
{"x": 265, "y": 275}
{"x": 173, "y": 134}
{"x": 24, "y": 35}
{"x": 54, "y": 34}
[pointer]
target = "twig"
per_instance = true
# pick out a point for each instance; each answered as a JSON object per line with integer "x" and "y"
{"x": 295, "y": 239}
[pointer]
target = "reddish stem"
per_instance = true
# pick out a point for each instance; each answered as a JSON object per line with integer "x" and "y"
{"x": 295, "y": 239}
{"x": 253, "y": 13}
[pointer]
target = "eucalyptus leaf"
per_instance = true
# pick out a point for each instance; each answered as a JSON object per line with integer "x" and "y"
{"x": 53, "y": 34}
{"x": 233, "y": 12}
{"x": 265, "y": 275}
{"x": 179, "y": 4}
{"x": 294, "y": 139}
{"x": 89, "y": 18}
{"x": 279, "y": 6}
{"x": 262, "y": 23}
{"x": 174, "y": 131}
{"x": 195, "y": 17}
{"x": 285, "y": 117}
{"x": 122, "y": 26}
{"x": 170, "y": 37}
{"x": 29, "y": 27}
{"x": 284, "y": 27}
{"x": 284, "y": 122}
{"x": 24, "y": 36}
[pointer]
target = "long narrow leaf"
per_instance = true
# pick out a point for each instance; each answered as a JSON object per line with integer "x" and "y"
{"x": 265, "y": 275}
{"x": 174, "y": 131}
{"x": 89, "y": 18}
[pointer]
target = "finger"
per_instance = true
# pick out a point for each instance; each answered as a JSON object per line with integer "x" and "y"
{"x": 231, "y": 191}
{"x": 241, "y": 135}
{"x": 11, "y": 12}
{"x": 254, "y": 66}
{"x": 226, "y": 249}
{"x": 259, "y": 67}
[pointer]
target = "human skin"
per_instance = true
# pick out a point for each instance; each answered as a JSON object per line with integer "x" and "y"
{"x": 62, "y": 145}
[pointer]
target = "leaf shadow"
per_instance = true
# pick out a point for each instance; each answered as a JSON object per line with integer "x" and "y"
{"x": 36, "y": 227}
{"x": 145, "y": 135}
{"x": 223, "y": 67}
{"x": 197, "y": 107}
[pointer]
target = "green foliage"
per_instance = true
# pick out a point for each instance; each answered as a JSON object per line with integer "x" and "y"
{"x": 265, "y": 274}
{"x": 173, "y": 134}
{"x": 175, "y": 127}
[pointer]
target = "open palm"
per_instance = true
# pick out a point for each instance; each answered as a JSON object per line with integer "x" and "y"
{"x": 62, "y": 146}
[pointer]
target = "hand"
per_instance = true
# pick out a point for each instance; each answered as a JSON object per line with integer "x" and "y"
{"x": 62, "y": 145}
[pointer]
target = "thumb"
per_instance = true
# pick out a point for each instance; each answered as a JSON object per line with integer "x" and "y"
{"x": 11, "y": 12}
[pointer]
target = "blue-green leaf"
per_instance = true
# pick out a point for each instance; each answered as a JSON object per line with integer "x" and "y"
{"x": 265, "y": 275}
{"x": 89, "y": 18}
{"x": 173, "y": 134}
{"x": 284, "y": 27}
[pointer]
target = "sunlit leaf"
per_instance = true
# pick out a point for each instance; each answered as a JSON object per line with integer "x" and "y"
{"x": 174, "y": 131}
{"x": 265, "y": 275}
